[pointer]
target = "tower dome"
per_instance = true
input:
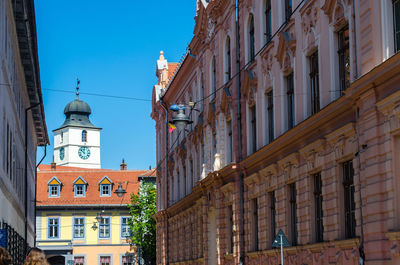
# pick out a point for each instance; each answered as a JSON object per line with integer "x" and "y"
{"x": 77, "y": 114}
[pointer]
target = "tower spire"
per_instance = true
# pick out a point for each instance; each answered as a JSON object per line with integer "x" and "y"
{"x": 77, "y": 87}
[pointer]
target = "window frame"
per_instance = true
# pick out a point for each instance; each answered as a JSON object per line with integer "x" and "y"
{"x": 80, "y": 256}
{"x": 348, "y": 199}
{"x": 82, "y": 226}
{"x": 318, "y": 211}
{"x": 293, "y": 213}
{"x": 125, "y": 225}
{"x": 272, "y": 206}
{"x": 268, "y": 20}
{"x": 290, "y": 100}
{"x": 252, "y": 39}
{"x": 76, "y": 186}
{"x": 102, "y": 194}
{"x": 229, "y": 131}
{"x": 255, "y": 221}
{"x": 343, "y": 52}
{"x": 314, "y": 82}
{"x": 84, "y": 136}
{"x": 270, "y": 115}
{"x": 50, "y": 226}
{"x": 288, "y": 9}
{"x": 253, "y": 128}
{"x": 58, "y": 191}
{"x": 101, "y": 224}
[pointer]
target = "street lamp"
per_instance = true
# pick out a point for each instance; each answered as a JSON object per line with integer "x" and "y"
{"x": 180, "y": 120}
{"x": 94, "y": 226}
{"x": 99, "y": 217}
{"x": 120, "y": 191}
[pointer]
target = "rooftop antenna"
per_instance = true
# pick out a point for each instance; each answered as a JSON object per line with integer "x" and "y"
{"x": 77, "y": 87}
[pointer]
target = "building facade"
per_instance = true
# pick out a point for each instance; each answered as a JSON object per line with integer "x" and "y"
{"x": 80, "y": 219}
{"x": 296, "y": 128}
{"x": 22, "y": 125}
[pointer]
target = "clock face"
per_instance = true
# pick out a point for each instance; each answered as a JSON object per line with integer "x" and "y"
{"x": 84, "y": 152}
{"x": 62, "y": 153}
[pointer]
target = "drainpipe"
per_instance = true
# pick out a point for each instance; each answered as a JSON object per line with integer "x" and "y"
{"x": 361, "y": 248}
{"x": 40, "y": 162}
{"x": 166, "y": 177}
{"x": 26, "y": 172}
{"x": 239, "y": 128}
{"x": 355, "y": 41}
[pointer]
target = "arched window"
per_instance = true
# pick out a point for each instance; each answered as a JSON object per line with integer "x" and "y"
{"x": 268, "y": 20}
{"x": 251, "y": 39}
{"x": 84, "y": 136}
{"x": 213, "y": 79}
{"x": 228, "y": 70}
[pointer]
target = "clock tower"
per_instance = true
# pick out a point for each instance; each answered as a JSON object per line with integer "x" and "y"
{"x": 77, "y": 140}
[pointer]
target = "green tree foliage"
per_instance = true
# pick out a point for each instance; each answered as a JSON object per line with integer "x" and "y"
{"x": 142, "y": 224}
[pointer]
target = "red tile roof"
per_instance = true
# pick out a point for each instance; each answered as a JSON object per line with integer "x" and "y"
{"x": 171, "y": 69}
{"x": 67, "y": 175}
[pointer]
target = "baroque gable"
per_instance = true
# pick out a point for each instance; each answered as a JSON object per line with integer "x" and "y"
{"x": 335, "y": 10}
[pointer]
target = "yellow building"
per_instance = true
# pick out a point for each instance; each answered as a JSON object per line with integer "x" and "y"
{"x": 80, "y": 220}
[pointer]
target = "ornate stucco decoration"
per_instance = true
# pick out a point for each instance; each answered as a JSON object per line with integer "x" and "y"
{"x": 250, "y": 86}
{"x": 394, "y": 239}
{"x": 266, "y": 64}
{"x": 313, "y": 155}
{"x": 309, "y": 19}
{"x": 171, "y": 165}
{"x": 335, "y": 10}
{"x": 290, "y": 167}
{"x": 211, "y": 116}
{"x": 182, "y": 151}
{"x": 228, "y": 191}
{"x": 342, "y": 141}
{"x": 253, "y": 184}
{"x": 390, "y": 108}
{"x": 210, "y": 29}
{"x": 270, "y": 174}
{"x": 286, "y": 50}
{"x": 226, "y": 103}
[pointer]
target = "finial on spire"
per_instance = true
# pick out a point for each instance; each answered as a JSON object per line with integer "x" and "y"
{"x": 77, "y": 87}
{"x": 161, "y": 56}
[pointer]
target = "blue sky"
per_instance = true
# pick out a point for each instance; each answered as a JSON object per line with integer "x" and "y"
{"x": 112, "y": 46}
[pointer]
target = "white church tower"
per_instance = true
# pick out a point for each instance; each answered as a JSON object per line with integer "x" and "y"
{"x": 77, "y": 141}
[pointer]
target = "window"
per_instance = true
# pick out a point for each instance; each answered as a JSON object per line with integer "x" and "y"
{"x": 230, "y": 141}
{"x": 288, "y": 9}
{"x": 79, "y": 260}
{"x": 344, "y": 58}
{"x": 54, "y": 227}
{"x": 268, "y": 20}
{"x": 184, "y": 180}
{"x": 125, "y": 229}
{"x": 272, "y": 215}
{"x": 201, "y": 94}
{"x": 213, "y": 79}
{"x": 214, "y": 144}
{"x": 84, "y": 136}
{"x": 79, "y": 190}
{"x": 79, "y": 227}
{"x": 252, "y": 49}
{"x": 228, "y": 70}
{"x": 105, "y": 190}
{"x": 349, "y": 203}
{"x": 104, "y": 229}
{"x": 105, "y": 260}
{"x": 290, "y": 100}
{"x": 314, "y": 83}
{"x": 54, "y": 190}
{"x": 128, "y": 260}
{"x": 253, "y": 129}
{"x": 319, "y": 226}
{"x": 191, "y": 176}
{"x": 396, "y": 24}
{"x": 255, "y": 223}
{"x": 230, "y": 229}
{"x": 62, "y": 137}
{"x": 293, "y": 214}
{"x": 270, "y": 115}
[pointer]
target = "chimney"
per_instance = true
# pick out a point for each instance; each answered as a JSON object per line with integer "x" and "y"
{"x": 53, "y": 165}
{"x": 123, "y": 165}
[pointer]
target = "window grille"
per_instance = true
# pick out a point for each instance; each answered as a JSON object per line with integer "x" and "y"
{"x": 293, "y": 213}
{"x": 314, "y": 83}
{"x": 349, "y": 203}
{"x": 319, "y": 226}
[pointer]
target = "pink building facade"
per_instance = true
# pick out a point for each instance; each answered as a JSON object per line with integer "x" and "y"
{"x": 296, "y": 127}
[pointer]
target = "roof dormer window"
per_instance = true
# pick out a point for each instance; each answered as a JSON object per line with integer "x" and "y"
{"x": 80, "y": 187}
{"x": 105, "y": 187}
{"x": 54, "y": 187}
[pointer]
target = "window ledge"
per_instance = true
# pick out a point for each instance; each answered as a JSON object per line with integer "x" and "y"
{"x": 229, "y": 256}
